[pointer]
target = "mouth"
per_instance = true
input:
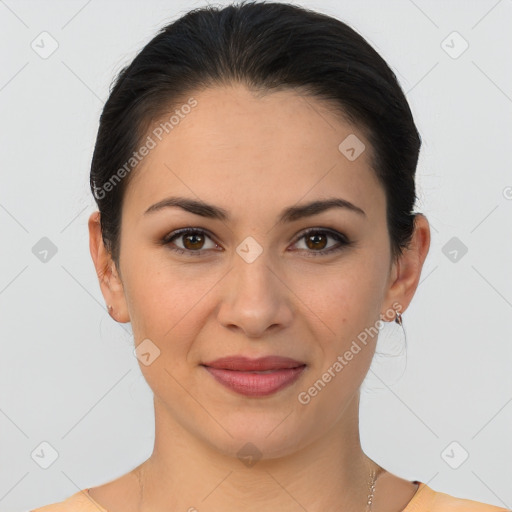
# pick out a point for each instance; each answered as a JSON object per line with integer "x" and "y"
{"x": 255, "y": 377}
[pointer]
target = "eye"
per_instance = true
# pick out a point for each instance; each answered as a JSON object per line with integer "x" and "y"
{"x": 315, "y": 241}
{"x": 193, "y": 240}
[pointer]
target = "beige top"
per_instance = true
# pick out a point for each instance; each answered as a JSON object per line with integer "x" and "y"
{"x": 424, "y": 500}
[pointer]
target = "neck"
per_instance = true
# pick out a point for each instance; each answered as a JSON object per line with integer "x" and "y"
{"x": 186, "y": 473}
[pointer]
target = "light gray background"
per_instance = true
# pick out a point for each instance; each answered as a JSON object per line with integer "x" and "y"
{"x": 68, "y": 376}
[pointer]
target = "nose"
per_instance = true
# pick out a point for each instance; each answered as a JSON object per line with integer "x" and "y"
{"x": 255, "y": 299}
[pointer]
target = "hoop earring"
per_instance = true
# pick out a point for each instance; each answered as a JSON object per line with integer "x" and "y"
{"x": 398, "y": 318}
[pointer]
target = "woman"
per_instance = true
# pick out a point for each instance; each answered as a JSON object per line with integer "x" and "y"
{"x": 254, "y": 174}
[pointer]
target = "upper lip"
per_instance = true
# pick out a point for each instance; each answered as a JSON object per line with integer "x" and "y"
{"x": 242, "y": 363}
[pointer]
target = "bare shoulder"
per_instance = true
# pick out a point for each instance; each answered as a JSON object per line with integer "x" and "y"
{"x": 119, "y": 495}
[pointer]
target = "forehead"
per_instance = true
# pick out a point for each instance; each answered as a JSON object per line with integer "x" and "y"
{"x": 280, "y": 145}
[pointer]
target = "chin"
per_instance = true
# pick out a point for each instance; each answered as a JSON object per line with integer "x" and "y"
{"x": 257, "y": 436}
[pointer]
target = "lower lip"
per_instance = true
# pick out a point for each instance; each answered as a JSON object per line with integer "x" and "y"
{"x": 256, "y": 384}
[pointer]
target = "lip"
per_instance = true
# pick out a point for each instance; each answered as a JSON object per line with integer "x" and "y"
{"x": 238, "y": 373}
{"x": 245, "y": 364}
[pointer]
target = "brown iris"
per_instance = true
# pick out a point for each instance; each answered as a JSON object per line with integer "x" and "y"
{"x": 197, "y": 240}
{"x": 314, "y": 240}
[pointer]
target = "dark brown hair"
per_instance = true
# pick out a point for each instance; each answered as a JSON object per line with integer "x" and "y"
{"x": 266, "y": 46}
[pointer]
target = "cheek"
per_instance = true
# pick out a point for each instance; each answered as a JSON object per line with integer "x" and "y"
{"x": 348, "y": 297}
{"x": 165, "y": 309}
{"x": 350, "y": 307}
{"x": 168, "y": 306}
{"x": 161, "y": 296}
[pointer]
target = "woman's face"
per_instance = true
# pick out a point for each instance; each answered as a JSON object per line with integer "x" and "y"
{"x": 251, "y": 284}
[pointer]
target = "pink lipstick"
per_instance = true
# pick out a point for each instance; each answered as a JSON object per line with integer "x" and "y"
{"x": 255, "y": 377}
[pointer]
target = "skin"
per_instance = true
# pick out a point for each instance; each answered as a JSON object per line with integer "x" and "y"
{"x": 254, "y": 156}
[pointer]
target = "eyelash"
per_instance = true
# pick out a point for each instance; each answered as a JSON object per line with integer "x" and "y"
{"x": 341, "y": 239}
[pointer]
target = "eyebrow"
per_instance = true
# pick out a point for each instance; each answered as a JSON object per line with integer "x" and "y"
{"x": 289, "y": 214}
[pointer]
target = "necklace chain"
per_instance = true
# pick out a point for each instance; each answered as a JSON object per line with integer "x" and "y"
{"x": 373, "y": 479}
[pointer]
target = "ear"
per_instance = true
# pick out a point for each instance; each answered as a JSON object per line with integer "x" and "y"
{"x": 108, "y": 275}
{"x": 406, "y": 270}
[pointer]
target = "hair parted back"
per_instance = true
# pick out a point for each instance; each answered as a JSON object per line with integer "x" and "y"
{"x": 266, "y": 46}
